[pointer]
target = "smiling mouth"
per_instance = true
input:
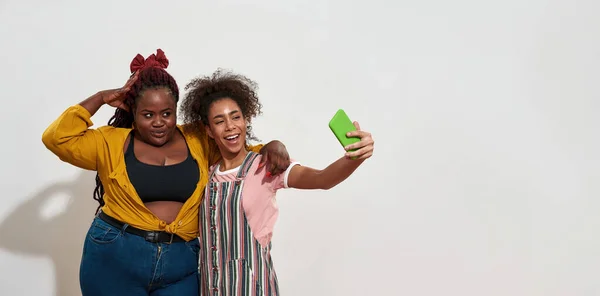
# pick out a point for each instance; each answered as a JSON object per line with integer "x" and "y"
{"x": 232, "y": 138}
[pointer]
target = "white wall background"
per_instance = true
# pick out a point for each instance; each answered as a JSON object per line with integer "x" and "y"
{"x": 485, "y": 115}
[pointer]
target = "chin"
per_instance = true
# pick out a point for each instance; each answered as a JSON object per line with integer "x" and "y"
{"x": 157, "y": 142}
{"x": 148, "y": 138}
{"x": 233, "y": 150}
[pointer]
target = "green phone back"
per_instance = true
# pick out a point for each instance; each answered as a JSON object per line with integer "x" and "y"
{"x": 341, "y": 124}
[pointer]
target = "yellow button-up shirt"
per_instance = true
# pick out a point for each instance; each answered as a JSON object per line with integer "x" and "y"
{"x": 72, "y": 140}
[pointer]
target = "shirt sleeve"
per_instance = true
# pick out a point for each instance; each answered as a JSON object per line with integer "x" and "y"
{"x": 70, "y": 138}
{"x": 255, "y": 148}
{"x": 281, "y": 181}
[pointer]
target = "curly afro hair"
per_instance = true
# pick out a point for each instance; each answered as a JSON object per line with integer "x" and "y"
{"x": 205, "y": 90}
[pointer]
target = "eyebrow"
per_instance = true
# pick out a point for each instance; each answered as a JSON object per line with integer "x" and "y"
{"x": 163, "y": 110}
{"x": 223, "y": 115}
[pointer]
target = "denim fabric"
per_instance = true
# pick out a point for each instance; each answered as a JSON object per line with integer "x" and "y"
{"x": 115, "y": 262}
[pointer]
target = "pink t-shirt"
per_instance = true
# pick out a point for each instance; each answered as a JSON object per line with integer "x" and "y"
{"x": 258, "y": 197}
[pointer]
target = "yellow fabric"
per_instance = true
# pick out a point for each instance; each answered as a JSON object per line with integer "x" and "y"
{"x": 101, "y": 150}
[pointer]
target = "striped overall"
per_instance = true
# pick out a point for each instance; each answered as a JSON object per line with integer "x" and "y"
{"x": 232, "y": 261}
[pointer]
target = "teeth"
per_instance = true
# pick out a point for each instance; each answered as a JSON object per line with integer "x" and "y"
{"x": 231, "y": 137}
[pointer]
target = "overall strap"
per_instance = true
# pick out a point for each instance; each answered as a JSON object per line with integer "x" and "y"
{"x": 212, "y": 173}
{"x": 245, "y": 167}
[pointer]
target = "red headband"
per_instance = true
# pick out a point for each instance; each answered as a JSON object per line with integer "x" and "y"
{"x": 158, "y": 60}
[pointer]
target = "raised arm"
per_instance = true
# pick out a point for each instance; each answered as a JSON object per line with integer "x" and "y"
{"x": 70, "y": 138}
{"x": 302, "y": 177}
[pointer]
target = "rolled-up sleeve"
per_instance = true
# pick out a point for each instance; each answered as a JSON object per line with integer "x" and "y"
{"x": 70, "y": 138}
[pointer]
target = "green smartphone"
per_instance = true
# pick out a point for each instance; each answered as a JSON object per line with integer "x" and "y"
{"x": 340, "y": 125}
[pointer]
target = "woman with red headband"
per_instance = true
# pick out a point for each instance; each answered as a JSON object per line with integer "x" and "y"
{"x": 151, "y": 174}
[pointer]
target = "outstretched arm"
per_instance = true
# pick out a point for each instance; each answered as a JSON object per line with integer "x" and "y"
{"x": 302, "y": 177}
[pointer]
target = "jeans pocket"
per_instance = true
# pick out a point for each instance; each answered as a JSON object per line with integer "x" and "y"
{"x": 102, "y": 233}
{"x": 193, "y": 246}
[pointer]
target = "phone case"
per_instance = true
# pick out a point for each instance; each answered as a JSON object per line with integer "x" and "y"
{"x": 341, "y": 124}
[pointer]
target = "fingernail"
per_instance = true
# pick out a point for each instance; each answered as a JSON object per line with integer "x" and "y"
{"x": 268, "y": 174}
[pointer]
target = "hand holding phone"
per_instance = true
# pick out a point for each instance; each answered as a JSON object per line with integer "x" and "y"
{"x": 340, "y": 125}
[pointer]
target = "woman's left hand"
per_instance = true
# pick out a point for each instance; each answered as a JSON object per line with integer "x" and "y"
{"x": 276, "y": 157}
{"x": 364, "y": 148}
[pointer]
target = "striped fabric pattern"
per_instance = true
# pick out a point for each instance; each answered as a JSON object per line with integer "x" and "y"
{"x": 232, "y": 261}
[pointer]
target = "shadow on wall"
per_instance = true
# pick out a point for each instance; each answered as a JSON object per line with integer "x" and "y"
{"x": 27, "y": 232}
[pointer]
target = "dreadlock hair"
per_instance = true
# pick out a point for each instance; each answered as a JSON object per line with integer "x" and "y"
{"x": 148, "y": 78}
{"x": 205, "y": 90}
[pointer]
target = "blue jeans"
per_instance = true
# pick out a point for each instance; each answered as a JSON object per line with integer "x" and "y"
{"x": 115, "y": 262}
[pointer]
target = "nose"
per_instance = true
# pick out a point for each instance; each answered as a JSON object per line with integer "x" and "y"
{"x": 158, "y": 122}
{"x": 229, "y": 125}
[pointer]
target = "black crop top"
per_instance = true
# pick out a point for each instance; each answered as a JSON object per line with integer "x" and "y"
{"x": 162, "y": 183}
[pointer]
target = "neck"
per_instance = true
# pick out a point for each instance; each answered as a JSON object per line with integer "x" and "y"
{"x": 232, "y": 160}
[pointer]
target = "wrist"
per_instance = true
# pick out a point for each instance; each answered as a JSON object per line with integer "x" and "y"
{"x": 99, "y": 96}
{"x": 354, "y": 160}
{"x": 93, "y": 103}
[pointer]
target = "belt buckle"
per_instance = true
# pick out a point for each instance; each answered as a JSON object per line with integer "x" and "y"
{"x": 152, "y": 236}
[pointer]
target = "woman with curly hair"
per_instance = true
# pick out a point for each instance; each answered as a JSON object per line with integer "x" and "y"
{"x": 239, "y": 210}
{"x": 151, "y": 175}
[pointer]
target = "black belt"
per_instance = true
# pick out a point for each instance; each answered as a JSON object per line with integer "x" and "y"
{"x": 151, "y": 236}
